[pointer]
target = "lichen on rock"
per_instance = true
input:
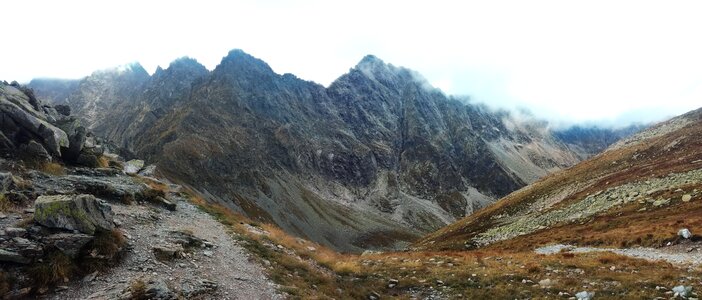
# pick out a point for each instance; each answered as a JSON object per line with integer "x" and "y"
{"x": 84, "y": 213}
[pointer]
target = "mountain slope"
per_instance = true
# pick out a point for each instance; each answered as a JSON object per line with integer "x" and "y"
{"x": 589, "y": 141}
{"x": 639, "y": 192}
{"x": 54, "y": 90}
{"x": 93, "y": 97}
{"x": 378, "y": 157}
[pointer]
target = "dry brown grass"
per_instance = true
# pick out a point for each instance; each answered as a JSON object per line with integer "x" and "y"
{"x": 52, "y": 168}
{"x": 108, "y": 243}
{"x": 137, "y": 290}
{"x": 624, "y": 227}
{"x": 103, "y": 161}
{"x": 652, "y": 158}
{"x": 5, "y": 204}
{"x": 6, "y": 283}
{"x": 302, "y": 272}
{"x": 156, "y": 185}
{"x": 320, "y": 274}
{"x": 25, "y": 222}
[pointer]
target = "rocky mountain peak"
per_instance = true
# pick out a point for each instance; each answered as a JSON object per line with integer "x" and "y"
{"x": 387, "y": 74}
{"x": 372, "y": 66}
{"x": 187, "y": 63}
{"x": 182, "y": 67}
{"x": 370, "y": 60}
{"x": 130, "y": 70}
{"x": 240, "y": 62}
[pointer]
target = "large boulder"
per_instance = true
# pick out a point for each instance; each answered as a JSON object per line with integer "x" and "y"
{"x": 52, "y": 137}
{"x": 34, "y": 152}
{"x": 90, "y": 154}
{"x": 84, "y": 213}
{"x": 77, "y": 139}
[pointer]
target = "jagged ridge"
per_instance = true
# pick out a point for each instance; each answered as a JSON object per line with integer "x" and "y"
{"x": 378, "y": 157}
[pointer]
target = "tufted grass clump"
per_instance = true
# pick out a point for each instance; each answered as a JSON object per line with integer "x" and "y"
{"x": 55, "y": 268}
{"x": 52, "y": 168}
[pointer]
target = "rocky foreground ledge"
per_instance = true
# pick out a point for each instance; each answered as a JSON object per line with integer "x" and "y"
{"x": 79, "y": 222}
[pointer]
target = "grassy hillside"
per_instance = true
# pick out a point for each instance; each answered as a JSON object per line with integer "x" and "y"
{"x": 629, "y": 195}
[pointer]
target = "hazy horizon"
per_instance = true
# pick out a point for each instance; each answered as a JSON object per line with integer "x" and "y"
{"x": 597, "y": 62}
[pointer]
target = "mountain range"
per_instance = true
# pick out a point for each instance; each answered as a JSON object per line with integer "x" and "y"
{"x": 373, "y": 161}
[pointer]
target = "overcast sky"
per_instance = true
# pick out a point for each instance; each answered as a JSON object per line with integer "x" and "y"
{"x": 565, "y": 60}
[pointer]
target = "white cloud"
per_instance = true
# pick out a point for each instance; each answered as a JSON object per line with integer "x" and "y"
{"x": 565, "y": 60}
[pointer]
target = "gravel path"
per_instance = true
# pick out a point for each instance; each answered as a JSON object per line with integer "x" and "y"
{"x": 225, "y": 264}
{"x": 678, "y": 254}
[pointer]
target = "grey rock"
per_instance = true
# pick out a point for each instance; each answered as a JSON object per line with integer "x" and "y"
{"x": 34, "y": 151}
{"x": 96, "y": 172}
{"x": 90, "y": 277}
{"x": 661, "y": 202}
{"x": 76, "y": 139}
{"x": 686, "y": 198}
{"x": 7, "y": 181}
{"x": 148, "y": 171}
{"x": 12, "y": 257}
{"x": 7, "y": 147}
{"x": 88, "y": 159}
{"x": 685, "y": 233}
{"x": 15, "y": 107}
{"x": 28, "y": 248}
{"x": 63, "y": 109}
{"x": 546, "y": 283}
{"x": 133, "y": 166}
{"x": 15, "y": 232}
{"x": 201, "y": 286}
{"x": 165, "y": 203}
{"x": 154, "y": 289}
{"x": 157, "y": 289}
{"x": 682, "y": 291}
{"x": 186, "y": 239}
{"x": 84, "y": 213}
{"x": 585, "y": 295}
{"x": 168, "y": 252}
{"x": 68, "y": 243}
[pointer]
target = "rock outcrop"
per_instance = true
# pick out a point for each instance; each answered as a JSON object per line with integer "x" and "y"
{"x": 35, "y": 131}
{"x": 83, "y": 213}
